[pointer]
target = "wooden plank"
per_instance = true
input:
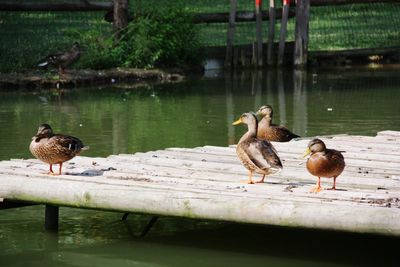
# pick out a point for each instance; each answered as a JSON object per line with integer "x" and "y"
{"x": 282, "y": 38}
{"x": 348, "y": 2}
{"x": 204, "y": 182}
{"x": 230, "y": 34}
{"x": 77, "y": 6}
{"x": 258, "y": 8}
{"x": 199, "y": 205}
{"x": 271, "y": 32}
{"x": 241, "y": 16}
{"x": 301, "y": 33}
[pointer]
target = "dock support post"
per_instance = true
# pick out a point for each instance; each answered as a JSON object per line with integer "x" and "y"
{"x": 301, "y": 33}
{"x": 282, "y": 39}
{"x": 231, "y": 31}
{"x": 150, "y": 224}
{"x": 271, "y": 32}
{"x": 51, "y": 218}
{"x": 259, "y": 57}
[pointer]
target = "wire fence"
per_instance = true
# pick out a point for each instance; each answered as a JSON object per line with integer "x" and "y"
{"x": 27, "y": 36}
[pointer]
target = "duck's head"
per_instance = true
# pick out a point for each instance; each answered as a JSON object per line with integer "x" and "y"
{"x": 265, "y": 111}
{"x": 246, "y": 118}
{"x": 44, "y": 131}
{"x": 315, "y": 145}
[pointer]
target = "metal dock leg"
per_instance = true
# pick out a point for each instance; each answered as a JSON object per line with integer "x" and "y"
{"x": 147, "y": 228}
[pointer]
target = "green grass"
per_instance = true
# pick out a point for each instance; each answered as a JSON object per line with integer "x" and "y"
{"x": 26, "y": 37}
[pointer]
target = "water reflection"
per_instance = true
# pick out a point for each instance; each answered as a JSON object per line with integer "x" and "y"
{"x": 194, "y": 113}
{"x": 200, "y": 111}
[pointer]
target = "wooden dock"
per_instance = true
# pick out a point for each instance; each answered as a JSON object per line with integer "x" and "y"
{"x": 204, "y": 183}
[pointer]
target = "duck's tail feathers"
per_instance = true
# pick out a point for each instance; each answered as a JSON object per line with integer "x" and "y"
{"x": 85, "y": 148}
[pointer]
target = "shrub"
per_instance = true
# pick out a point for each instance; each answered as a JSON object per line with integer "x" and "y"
{"x": 163, "y": 38}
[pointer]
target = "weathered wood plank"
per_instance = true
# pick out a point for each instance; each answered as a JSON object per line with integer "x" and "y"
{"x": 199, "y": 205}
{"x": 230, "y": 34}
{"x": 301, "y": 33}
{"x": 204, "y": 182}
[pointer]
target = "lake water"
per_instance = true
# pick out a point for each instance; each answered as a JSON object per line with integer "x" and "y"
{"x": 197, "y": 112}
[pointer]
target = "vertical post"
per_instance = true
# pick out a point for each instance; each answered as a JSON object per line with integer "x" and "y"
{"x": 51, "y": 218}
{"x": 301, "y": 33}
{"x": 120, "y": 15}
{"x": 282, "y": 38}
{"x": 231, "y": 31}
{"x": 259, "y": 58}
{"x": 271, "y": 32}
{"x": 300, "y": 113}
{"x": 281, "y": 97}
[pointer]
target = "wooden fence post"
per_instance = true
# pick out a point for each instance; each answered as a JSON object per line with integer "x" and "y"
{"x": 271, "y": 32}
{"x": 282, "y": 39}
{"x": 120, "y": 14}
{"x": 231, "y": 31}
{"x": 301, "y": 33}
{"x": 259, "y": 58}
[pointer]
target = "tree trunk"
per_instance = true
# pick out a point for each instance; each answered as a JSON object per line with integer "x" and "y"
{"x": 120, "y": 14}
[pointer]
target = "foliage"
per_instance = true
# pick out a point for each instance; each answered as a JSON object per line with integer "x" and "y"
{"x": 164, "y": 38}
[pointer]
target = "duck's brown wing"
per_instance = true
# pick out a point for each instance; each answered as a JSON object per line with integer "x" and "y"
{"x": 66, "y": 144}
{"x": 283, "y": 134}
{"x": 263, "y": 155}
{"x": 335, "y": 157}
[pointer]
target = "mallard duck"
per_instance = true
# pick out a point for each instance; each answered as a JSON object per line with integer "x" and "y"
{"x": 62, "y": 60}
{"x": 323, "y": 162}
{"x": 255, "y": 154}
{"x": 54, "y": 148}
{"x": 272, "y": 132}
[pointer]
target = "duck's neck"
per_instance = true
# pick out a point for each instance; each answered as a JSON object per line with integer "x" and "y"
{"x": 38, "y": 137}
{"x": 266, "y": 121}
{"x": 251, "y": 131}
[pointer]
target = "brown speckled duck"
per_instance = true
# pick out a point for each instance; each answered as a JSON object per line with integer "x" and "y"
{"x": 255, "y": 154}
{"x": 62, "y": 60}
{"x": 323, "y": 162}
{"x": 272, "y": 132}
{"x": 54, "y": 148}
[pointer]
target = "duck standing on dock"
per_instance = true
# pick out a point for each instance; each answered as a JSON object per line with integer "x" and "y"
{"x": 54, "y": 148}
{"x": 62, "y": 60}
{"x": 323, "y": 162}
{"x": 269, "y": 131}
{"x": 255, "y": 154}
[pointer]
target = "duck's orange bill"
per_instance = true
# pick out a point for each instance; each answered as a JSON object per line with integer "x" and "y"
{"x": 306, "y": 153}
{"x": 237, "y": 122}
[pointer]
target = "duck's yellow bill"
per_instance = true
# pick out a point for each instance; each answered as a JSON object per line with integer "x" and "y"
{"x": 306, "y": 153}
{"x": 237, "y": 122}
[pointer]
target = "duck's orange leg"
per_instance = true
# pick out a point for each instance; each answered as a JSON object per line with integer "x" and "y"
{"x": 51, "y": 172}
{"x": 249, "y": 180}
{"x": 317, "y": 187}
{"x": 260, "y": 181}
{"x": 60, "y": 168}
{"x": 334, "y": 183}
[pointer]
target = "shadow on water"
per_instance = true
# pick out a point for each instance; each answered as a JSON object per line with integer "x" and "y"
{"x": 216, "y": 244}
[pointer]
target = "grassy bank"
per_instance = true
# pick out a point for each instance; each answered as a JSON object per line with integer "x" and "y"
{"x": 26, "y": 37}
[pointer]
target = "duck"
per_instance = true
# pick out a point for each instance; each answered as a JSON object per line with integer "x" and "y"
{"x": 323, "y": 162}
{"x": 256, "y": 155}
{"x": 54, "y": 148}
{"x": 269, "y": 131}
{"x": 63, "y": 59}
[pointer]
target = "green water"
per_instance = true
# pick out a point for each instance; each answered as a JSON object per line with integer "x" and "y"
{"x": 194, "y": 113}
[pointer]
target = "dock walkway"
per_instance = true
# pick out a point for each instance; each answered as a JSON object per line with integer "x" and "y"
{"x": 204, "y": 183}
